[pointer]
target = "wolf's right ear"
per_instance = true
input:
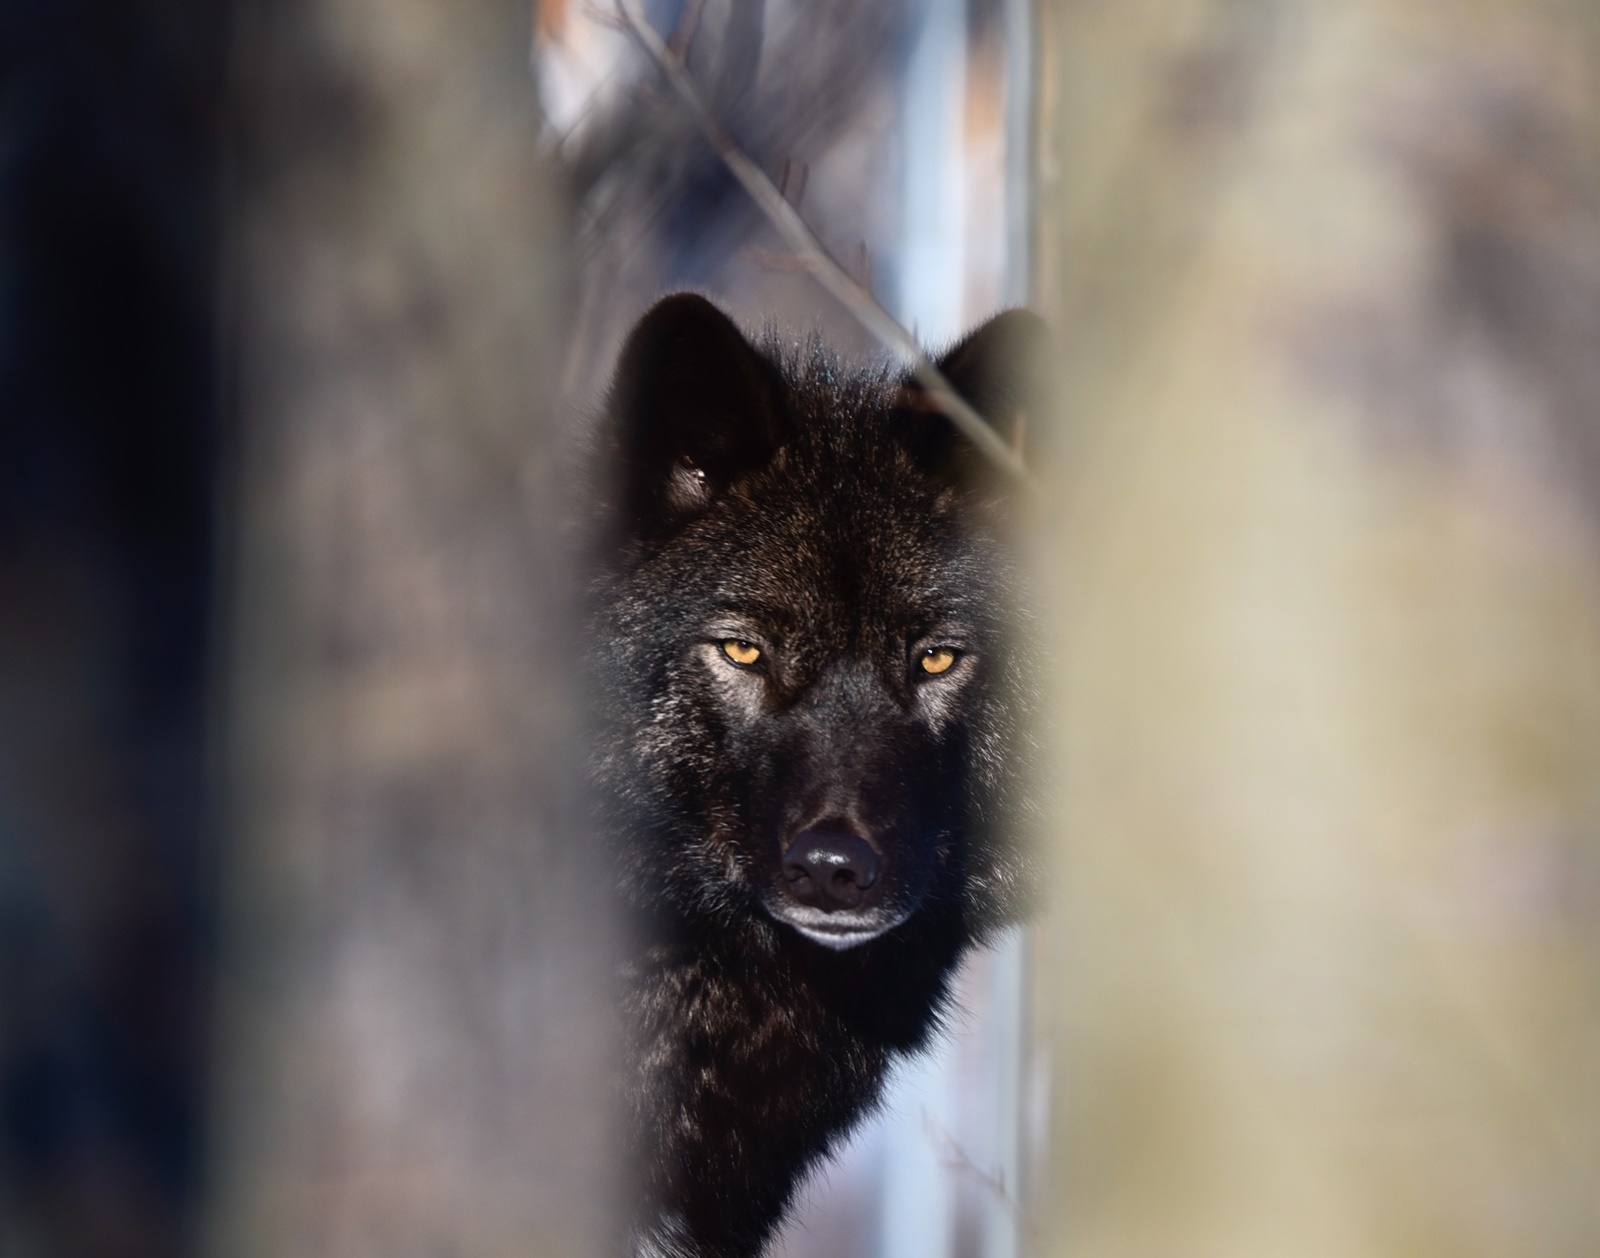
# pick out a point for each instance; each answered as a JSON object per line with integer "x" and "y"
{"x": 693, "y": 408}
{"x": 1003, "y": 371}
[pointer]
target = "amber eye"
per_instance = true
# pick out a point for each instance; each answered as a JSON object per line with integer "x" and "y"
{"x": 742, "y": 653}
{"x": 936, "y": 660}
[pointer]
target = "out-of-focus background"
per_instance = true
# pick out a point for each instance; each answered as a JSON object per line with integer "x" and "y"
{"x": 304, "y": 307}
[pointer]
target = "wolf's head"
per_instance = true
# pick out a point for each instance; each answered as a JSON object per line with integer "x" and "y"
{"x": 807, "y": 640}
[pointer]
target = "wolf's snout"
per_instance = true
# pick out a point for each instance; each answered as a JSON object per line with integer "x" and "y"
{"x": 831, "y": 869}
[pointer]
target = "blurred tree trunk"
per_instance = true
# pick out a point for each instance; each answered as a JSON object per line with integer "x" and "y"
{"x": 417, "y": 1053}
{"x": 1325, "y": 961}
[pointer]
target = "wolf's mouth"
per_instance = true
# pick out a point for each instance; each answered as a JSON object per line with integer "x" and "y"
{"x": 838, "y": 940}
{"x": 838, "y": 931}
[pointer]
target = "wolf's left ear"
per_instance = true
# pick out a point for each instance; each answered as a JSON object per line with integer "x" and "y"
{"x": 693, "y": 408}
{"x": 1002, "y": 370}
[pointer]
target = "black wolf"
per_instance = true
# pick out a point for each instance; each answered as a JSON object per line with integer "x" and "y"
{"x": 809, "y": 750}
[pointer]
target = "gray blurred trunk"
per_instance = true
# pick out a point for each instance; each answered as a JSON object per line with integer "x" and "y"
{"x": 1325, "y": 970}
{"x": 417, "y": 1048}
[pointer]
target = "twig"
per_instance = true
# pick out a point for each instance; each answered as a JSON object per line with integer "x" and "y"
{"x": 849, "y": 293}
{"x": 612, "y": 21}
{"x": 688, "y": 27}
{"x": 790, "y": 188}
{"x": 772, "y": 260}
{"x": 953, "y": 1157}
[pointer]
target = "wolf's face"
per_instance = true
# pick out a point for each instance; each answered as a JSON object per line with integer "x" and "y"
{"x": 837, "y": 664}
{"x": 807, "y": 646}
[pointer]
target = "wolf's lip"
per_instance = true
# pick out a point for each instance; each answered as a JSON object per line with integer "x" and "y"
{"x": 838, "y": 931}
{"x": 839, "y": 940}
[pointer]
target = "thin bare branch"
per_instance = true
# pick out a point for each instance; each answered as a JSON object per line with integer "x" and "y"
{"x": 612, "y": 21}
{"x": 772, "y": 260}
{"x": 688, "y": 28}
{"x": 792, "y": 185}
{"x": 953, "y": 1156}
{"x": 833, "y": 277}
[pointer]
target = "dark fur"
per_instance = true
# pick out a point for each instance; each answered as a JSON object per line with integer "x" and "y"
{"x": 833, "y": 518}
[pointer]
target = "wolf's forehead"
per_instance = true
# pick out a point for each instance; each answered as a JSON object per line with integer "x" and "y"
{"x": 829, "y": 573}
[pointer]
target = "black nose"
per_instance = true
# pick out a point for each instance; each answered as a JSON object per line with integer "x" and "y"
{"x": 831, "y": 869}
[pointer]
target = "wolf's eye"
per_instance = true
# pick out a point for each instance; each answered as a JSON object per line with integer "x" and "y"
{"x": 936, "y": 660}
{"x": 742, "y": 653}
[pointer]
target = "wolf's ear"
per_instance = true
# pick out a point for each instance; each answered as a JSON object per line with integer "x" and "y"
{"x": 1002, "y": 370}
{"x": 693, "y": 408}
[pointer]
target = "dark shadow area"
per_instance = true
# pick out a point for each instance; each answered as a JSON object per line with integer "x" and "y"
{"x": 109, "y": 437}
